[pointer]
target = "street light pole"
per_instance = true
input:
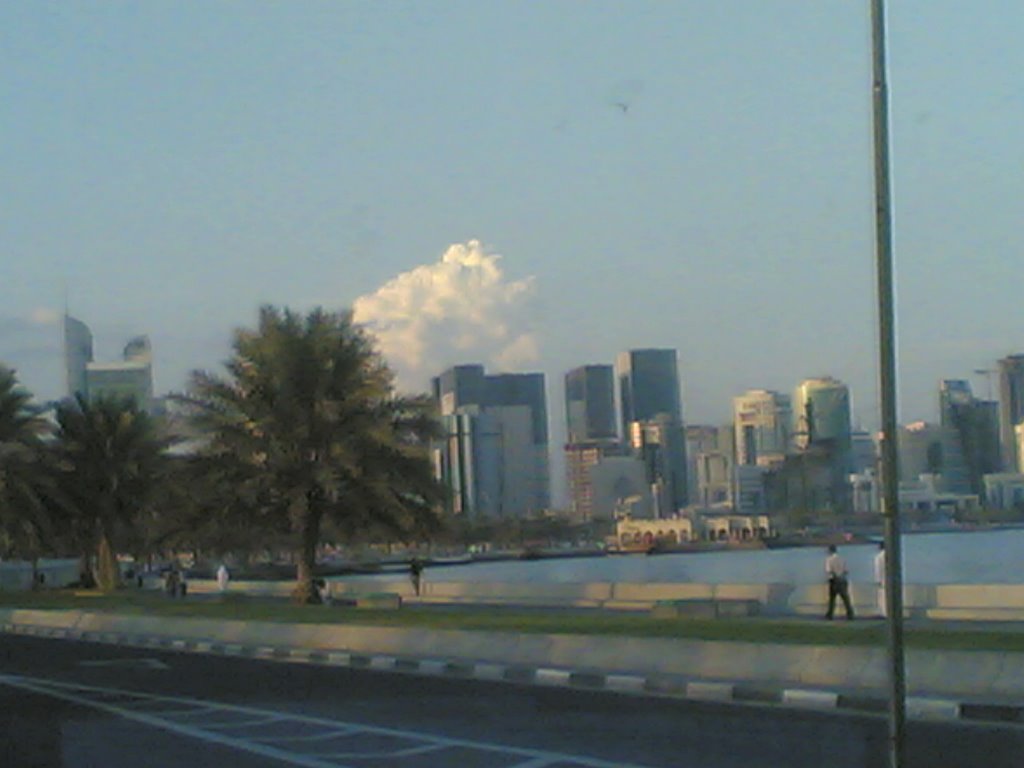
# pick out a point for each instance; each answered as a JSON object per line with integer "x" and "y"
{"x": 887, "y": 382}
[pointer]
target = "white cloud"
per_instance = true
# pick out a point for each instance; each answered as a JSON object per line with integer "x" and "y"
{"x": 461, "y": 309}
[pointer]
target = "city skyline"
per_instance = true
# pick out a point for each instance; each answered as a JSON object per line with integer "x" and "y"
{"x": 169, "y": 181}
{"x": 506, "y": 417}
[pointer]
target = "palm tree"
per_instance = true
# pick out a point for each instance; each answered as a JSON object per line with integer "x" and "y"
{"x": 111, "y": 457}
{"x": 310, "y": 419}
{"x": 26, "y": 526}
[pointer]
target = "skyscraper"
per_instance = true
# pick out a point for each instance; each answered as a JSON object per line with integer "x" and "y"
{"x": 822, "y": 414}
{"x": 591, "y": 435}
{"x": 976, "y": 424}
{"x": 763, "y": 422}
{"x": 649, "y": 386}
{"x": 1011, "y": 407}
{"x": 77, "y": 355}
{"x": 590, "y": 403}
{"x": 822, "y": 428}
{"x": 131, "y": 377}
{"x": 494, "y": 458}
{"x": 652, "y": 420}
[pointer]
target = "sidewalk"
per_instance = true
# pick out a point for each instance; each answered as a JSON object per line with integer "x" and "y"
{"x": 981, "y": 685}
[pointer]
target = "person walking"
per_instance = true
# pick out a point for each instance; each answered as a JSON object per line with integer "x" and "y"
{"x": 880, "y": 577}
{"x": 416, "y": 574}
{"x": 223, "y": 577}
{"x": 838, "y": 583}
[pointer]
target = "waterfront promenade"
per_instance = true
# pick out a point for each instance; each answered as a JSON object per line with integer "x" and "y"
{"x": 958, "y": 682}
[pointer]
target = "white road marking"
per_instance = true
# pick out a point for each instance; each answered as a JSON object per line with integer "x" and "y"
{"x": 92, "y": 696}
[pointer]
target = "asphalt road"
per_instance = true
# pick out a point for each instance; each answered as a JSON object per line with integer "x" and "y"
{"x": 66, "y": 704}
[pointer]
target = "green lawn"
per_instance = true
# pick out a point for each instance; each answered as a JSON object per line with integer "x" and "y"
{"x": 755, "y": 630}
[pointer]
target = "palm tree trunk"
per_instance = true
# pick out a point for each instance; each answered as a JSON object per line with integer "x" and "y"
{"x": 309, "y": 538}
{"x": 106, "y": 566}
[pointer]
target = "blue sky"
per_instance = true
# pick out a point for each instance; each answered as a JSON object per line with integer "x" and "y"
{"x": 694, "y": 175}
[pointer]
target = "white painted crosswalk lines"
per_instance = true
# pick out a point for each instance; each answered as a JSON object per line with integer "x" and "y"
{"x": 299, "y": 740}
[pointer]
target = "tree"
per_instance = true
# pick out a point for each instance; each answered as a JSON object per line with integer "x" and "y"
{"x": 26, "y": 489}
{"x": 317, "y": 436}
{"x": 111, "y": 457}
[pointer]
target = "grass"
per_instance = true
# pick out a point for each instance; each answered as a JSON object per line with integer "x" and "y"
{"x": 496, "y": 619}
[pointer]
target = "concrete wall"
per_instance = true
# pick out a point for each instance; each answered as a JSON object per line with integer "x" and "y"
{"x": 991, "y": 602}
{"x": 994, "y": 602}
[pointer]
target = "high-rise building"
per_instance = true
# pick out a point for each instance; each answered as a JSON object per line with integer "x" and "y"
{"x": 494, "y": 457}
{"x": 77, "y": 355}
{"x": 822, "y": 414}
{"x": 976, "y": 424}
{"x": 131, "y": 377}
{"x": 661, "y": 444}
{"x": 590, "y": 404}
{"x": 652, "y": 415}
{"x": 592, "y": 436}
{"x": 762, "y": 420}
{"x": 709, "y": 454}
{"x": 649, "y": 386}
{"x": 822, "y": 428}
{"x": 1011, "y": 407}
{"x": 932, "y": 449}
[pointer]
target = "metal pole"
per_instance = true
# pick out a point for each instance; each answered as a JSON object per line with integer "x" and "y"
{"x": 887, "y": 382}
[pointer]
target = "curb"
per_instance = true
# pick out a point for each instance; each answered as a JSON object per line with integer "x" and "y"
{"x": 917, "y": 707}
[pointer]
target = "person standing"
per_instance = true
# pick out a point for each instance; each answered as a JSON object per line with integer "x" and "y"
{"x": 838, "y": 583}
{"x": 223, "y": 577}
{"x": 880, "y": 577}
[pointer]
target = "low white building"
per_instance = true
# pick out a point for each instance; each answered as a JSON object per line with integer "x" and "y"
{"x": 923, "y": 495}
{"x": 644, "y": 534}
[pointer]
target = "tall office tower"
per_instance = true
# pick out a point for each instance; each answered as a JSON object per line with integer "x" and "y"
{"x": 592, "y": 437}
{"x": 590, "y": 404}
{"x": 649, "y": 385}
{"x": 762, "y": 420}
{"x": 1011, "y": 407}
{"x": 131, "y": 377}
{"x": 932, "y": 449}
{"x": 77, "y": 355}
{"x": 660, "y": 444}
{"x": 976, "y": 423}
{"x": 709, "y": 454}
{"x": 649, "y": 397}
{"x": 865, "y": 452}
{"x": 494, "y": 458}
{"x": 822, "y": 428}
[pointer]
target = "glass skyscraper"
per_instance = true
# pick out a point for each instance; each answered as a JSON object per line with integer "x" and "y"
{"x": 494, "y": 458}
{"x": 590, "y": 403}
{"x": 652, "y": 420}
{"x": 1011, "y": 407}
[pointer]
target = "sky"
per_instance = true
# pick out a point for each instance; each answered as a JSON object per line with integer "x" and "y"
{"x": 532, "y": 186}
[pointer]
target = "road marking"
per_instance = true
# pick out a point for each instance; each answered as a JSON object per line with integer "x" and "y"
{"x": 212, "y": 731}
{"x": 135, "y": 663}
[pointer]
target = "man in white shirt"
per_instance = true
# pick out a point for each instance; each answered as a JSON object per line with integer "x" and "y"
{"x": 222, "y": 578}
{"x": 880, "y": 577}
{"x": 835, "y": 570}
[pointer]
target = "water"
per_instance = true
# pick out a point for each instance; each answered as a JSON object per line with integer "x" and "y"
{"x": 990, "y": 557}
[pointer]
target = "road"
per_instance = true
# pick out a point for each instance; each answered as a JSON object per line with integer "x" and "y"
{"x": 66, "y": 704}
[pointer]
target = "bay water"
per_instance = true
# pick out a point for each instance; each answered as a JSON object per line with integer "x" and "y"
{"x": 983, "y": 557}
